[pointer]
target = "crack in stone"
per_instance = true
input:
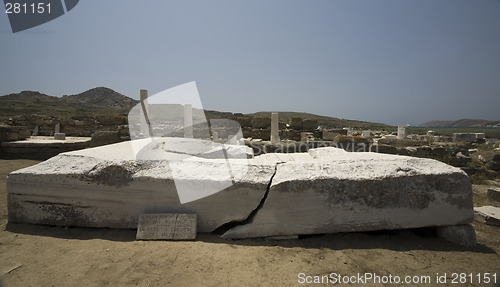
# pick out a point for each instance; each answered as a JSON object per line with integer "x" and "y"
{"x": 232, "y": 224}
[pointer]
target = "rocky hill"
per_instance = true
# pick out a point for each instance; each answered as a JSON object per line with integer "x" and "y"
{"x": 99, "y": 98}
{"x": 92, "y": 102}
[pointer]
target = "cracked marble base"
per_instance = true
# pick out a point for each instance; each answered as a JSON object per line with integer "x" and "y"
{"x": 323, "y": 191}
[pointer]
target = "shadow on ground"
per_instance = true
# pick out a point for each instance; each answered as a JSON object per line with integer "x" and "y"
{"x": 395, "y": 240}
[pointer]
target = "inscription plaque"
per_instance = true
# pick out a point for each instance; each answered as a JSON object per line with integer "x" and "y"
{"x": 167, "y": 226}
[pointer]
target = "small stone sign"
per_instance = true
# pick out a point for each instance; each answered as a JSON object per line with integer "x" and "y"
{"x": 167, "y": 226}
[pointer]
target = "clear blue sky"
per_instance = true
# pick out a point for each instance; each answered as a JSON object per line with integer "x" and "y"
{"x": 395, "y": 62}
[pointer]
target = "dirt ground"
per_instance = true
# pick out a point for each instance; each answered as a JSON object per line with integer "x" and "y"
{"x": 33, "y": 255}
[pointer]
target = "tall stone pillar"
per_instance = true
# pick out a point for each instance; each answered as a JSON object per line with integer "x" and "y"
{"x": 144, "y": 119}
{"x": 401, "y": 133}
{"x": 275, "y": 132}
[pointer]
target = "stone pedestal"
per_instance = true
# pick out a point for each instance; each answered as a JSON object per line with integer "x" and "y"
{"x": 59, "y": 136}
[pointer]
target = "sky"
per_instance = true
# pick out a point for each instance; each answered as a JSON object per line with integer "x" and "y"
{"x": 394, "y": 62}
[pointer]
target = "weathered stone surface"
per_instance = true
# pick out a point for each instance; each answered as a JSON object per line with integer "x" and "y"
{"x": 462, "y": 235}
{"x": 330, "y": 190}
{"x": 107, "y": 187}
{"x": 464, "y": 137}
{"x": 166, "y": 226}
{"x": 13, "y": 133}
{"x": 326, "y": 190}
{"x": 488, "y": 214}
{"x": 494, "y": 194}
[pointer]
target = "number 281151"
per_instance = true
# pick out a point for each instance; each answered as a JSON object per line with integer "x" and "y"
{"x": 33, "y": 8}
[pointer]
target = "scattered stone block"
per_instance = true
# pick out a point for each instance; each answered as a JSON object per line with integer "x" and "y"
{"x": 494, "y": 194}
{"x": 390, "y": 137}
{"x": 261, "y": 122}
{"x": 310, "y": 124}
{"x": 480, "y": 136}
{"x": 329, "y": 135}
{"x": 464, "y": 137}
{"x": 13, "y": 133}
{"x": 487, "y": 214}
{"x": 366, "y": 134}
{"x": 59, "y": 136}
{"x": 462, "y": 235}
{"x": 169, "y": 226}
{"x": 295, "y": 123}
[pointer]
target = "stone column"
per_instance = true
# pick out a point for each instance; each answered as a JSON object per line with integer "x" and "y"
{"x": 188, "y": 121}
{"x": 215, "y": 136}
{"x": 275, "y": 132}
{"x": 57, "y": 133}
{"x": 401, "y": 133}
{"x": 144, "y": 120}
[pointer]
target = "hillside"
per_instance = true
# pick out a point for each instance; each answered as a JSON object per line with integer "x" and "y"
{"x": 460, "y": 123}
{"x": 99, "y": 98}
{"x": 91, "y": 102}
{"x": 103, "y": 100}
